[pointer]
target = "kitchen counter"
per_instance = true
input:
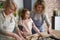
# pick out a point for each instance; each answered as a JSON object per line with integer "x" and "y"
{"x": 55, "y": 34}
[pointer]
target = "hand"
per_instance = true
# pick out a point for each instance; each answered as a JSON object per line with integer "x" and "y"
{"x": 25, "y": 34}
{"x": 40, "y": 35}
{"x": 48, "y": 31}
{"x": 17, "y": 37}
{"x": 13, "y": 35}
{"x": 23, "y": 38}
{"x": 20, "y": 35}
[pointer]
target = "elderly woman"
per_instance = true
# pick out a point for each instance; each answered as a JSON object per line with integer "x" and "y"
{"x": 7, "y": 22}
{"x": 38, "y": 15}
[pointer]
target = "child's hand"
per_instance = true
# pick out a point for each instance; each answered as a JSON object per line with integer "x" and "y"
{"x": 25, "y": 34}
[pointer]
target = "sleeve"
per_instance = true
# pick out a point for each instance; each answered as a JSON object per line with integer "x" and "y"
{"x": 2, "y": 31}
{"x": 31, "y": 20}
{"x": 47, "y": 20}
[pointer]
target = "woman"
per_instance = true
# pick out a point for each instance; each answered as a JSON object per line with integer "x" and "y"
{"x": 7, "y": 22}
{"x": 27, "y": 23}
{"x": 38, "y": 16}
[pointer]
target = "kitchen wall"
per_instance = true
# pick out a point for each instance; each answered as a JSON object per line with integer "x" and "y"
{"x": 50, "y": 6}
{"x": 58, "y": 6}
{"x": 19, "y": 3}
{"x": 33, "y": 1}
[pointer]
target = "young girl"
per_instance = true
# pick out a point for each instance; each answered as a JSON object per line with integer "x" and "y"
{"x": 27, "y": 23}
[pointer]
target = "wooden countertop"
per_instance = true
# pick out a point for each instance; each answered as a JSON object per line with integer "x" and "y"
{"x": 56, "y": 33}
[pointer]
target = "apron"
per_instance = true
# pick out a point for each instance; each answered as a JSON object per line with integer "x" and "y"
{"x": 38, "y": 23}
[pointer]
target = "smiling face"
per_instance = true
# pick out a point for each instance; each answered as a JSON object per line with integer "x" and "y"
{"x": 9, "y": 11}
{"x": 9, "y": 7}
{"x": 39, "y": 8}
{"x": 27, "y": 14}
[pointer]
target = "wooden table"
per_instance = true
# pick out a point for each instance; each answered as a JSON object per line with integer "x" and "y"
{"x": 56, "y": 33}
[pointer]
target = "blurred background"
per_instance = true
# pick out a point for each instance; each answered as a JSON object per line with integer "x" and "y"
{"x": 52, "y": 9}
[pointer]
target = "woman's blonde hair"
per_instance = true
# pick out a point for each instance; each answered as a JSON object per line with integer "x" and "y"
{"x": 39, "y": 3}
{"x": 9, "y": 4}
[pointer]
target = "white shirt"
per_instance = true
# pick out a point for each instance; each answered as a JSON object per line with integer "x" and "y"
{"x": 27, "y": 25}
{"x": 9, "y": 23}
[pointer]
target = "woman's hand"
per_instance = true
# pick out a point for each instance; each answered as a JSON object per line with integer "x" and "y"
{"x": 13, "y": 35}
{"x": 17, "y": 37}
{"x": 48, "y": 31}
{"x": 40, "y": 35}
